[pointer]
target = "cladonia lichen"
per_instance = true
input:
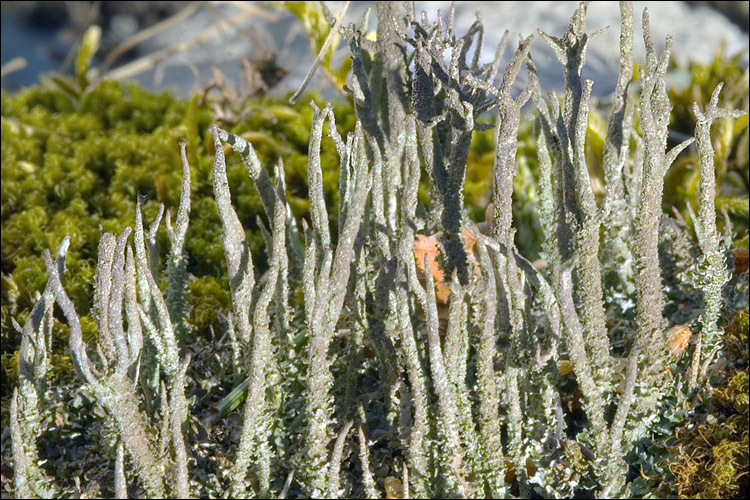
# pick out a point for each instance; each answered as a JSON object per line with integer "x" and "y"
{"x": 369, "y": 369}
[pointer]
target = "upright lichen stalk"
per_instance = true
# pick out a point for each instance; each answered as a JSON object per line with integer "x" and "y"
{"x": 573, "y": 221}
{"x": 714, "y": 273}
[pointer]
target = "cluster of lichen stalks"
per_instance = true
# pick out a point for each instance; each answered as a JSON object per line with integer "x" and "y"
{"x": 464, "y": 403}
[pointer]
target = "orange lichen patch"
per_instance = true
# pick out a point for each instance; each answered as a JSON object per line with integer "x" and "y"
{"x": 741, "y": 260}
{"x": 609, "y": 323}
{"x": 564, "y": 367}
{"x": 510, "y": 469}
{"x": 471, "y": 251}
{"x": 678, "y": 338}
{"x": 428, "y": 245}
{"x": 539, "y": 264}
{"x": 574, "y": 400}
{"x": 393, "y": 487}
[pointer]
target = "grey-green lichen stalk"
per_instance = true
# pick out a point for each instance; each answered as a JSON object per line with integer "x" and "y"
{"x": 714, "y": 273}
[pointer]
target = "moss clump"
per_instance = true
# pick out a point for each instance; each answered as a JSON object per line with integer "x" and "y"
{"x": 707, "y": 456}
{"x": 71, "y": 164}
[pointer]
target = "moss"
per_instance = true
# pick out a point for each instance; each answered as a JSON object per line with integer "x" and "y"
{"x": 69, "y": 167}
{"x": 707, "y": 457}
{"x": 207, "y": 295}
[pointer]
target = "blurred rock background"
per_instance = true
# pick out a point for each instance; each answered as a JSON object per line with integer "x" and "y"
{"x": 267, "y": 37}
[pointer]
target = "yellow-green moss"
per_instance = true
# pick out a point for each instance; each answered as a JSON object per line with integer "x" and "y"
{"x": 708, "y": 455}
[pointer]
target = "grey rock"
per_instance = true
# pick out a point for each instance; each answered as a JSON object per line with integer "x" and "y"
{"x": 697, "y": 31}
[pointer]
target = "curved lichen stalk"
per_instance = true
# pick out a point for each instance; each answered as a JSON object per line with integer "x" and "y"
{"x": 33, "y": 365}
{"x": 714, "y": 263}
{"x": 114, "y": 381}
{"x": 324, "y": 302}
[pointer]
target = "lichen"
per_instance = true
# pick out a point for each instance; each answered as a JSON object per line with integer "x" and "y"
{"x": 292, "y": 266}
